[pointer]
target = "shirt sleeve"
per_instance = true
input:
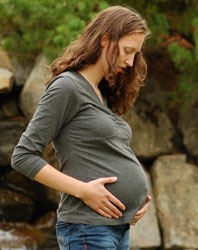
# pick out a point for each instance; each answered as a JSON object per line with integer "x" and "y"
{"x": 58, "y": 105}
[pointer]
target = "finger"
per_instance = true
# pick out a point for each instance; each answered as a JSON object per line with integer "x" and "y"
{"x": 132, "y": 224}
{"x": 102, "y": 212}
{"x": 141, "y": 212}
{"x": 138, "y": 217}
{"x": 109, "y": 212}
{"x": 108, "y": 180}
{"x": 114, "y": 211}
{"x": 149, "y": 198}
{"x": 116, "y": 202}
{"x": 143, "y": 209}
{"x": 134, "y": 221}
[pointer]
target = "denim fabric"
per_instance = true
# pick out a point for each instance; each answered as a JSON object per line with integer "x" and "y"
{"x": 91, "y": 237}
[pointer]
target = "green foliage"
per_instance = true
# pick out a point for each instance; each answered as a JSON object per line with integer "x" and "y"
{"x": 30, "y": 27}
{"x": 195, "y": 36}
{"x": 186, "y": 60}
{"x": 159, "y": 27}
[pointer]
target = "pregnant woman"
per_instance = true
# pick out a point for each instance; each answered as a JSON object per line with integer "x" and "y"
{"x": 103, "y": 186}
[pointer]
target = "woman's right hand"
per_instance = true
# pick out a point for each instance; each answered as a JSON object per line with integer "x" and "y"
{"x": 95, "y": 195}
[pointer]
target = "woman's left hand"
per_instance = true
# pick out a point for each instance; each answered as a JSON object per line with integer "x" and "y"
{"x": 141, "y": 212}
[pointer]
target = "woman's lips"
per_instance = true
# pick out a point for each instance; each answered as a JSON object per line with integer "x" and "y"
{"x": 120, "y": 69}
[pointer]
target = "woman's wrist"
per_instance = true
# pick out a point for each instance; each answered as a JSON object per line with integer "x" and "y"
{"x": 80, "y": 189}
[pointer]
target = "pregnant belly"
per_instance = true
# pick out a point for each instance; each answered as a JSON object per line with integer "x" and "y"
{"x": 131, "y": 187}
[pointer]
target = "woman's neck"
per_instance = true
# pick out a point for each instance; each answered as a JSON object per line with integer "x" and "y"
{"x": 93, "y": 73}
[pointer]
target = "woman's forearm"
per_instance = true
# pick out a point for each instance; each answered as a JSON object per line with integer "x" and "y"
{"x": 53, "y": 178}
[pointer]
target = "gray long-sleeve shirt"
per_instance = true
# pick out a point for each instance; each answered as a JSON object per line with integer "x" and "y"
{"x": 90, "y": 142}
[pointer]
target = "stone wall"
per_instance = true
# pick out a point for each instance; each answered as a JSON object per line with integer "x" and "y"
{"x": 168, "y": 151}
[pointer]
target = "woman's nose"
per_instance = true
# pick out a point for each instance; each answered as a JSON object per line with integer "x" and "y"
{"x": 129, "y": 61}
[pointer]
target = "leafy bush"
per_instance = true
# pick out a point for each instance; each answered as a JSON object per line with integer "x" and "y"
{"x": 29, "y": 27}
{"x": 186, "y": 60}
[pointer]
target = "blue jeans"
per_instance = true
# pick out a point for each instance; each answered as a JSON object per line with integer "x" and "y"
{"x": 91, "y": 237}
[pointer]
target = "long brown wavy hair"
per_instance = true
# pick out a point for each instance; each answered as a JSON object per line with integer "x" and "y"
{"x": 120, "y": 89}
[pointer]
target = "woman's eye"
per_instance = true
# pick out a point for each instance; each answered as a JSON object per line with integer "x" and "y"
{"x": 128, "y": 52}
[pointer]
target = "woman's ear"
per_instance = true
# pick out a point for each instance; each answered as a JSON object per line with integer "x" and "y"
{"x": 104, "y": 40}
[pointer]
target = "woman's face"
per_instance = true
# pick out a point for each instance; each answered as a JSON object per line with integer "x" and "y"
{"x": 128, "y": 45}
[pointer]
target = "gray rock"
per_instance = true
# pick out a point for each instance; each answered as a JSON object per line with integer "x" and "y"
{"x": 188, "y": 124}
{"x": 10, "y": 109}
{"x": 21, "y": 68}
{"x": 6, "y": 81}
{"x": 175, "y": 185}
{"x": 15, "y": 206}
{"x": 151, "y": 96}
{"x": 46, "y": 224}
{"x": 46, "y": 198}
{"x": 148, "y": 139}
{"x": 1, "y": 114}
{"x": 46, "y": 221}
{"x": 5, "y": 62}
{"x": 34, "y": 87}
{"x": 10, "y": 134}
{"x": 20, "y": 236}
{"x": 145, "y": 234}
{"x": 152, "y": 129}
